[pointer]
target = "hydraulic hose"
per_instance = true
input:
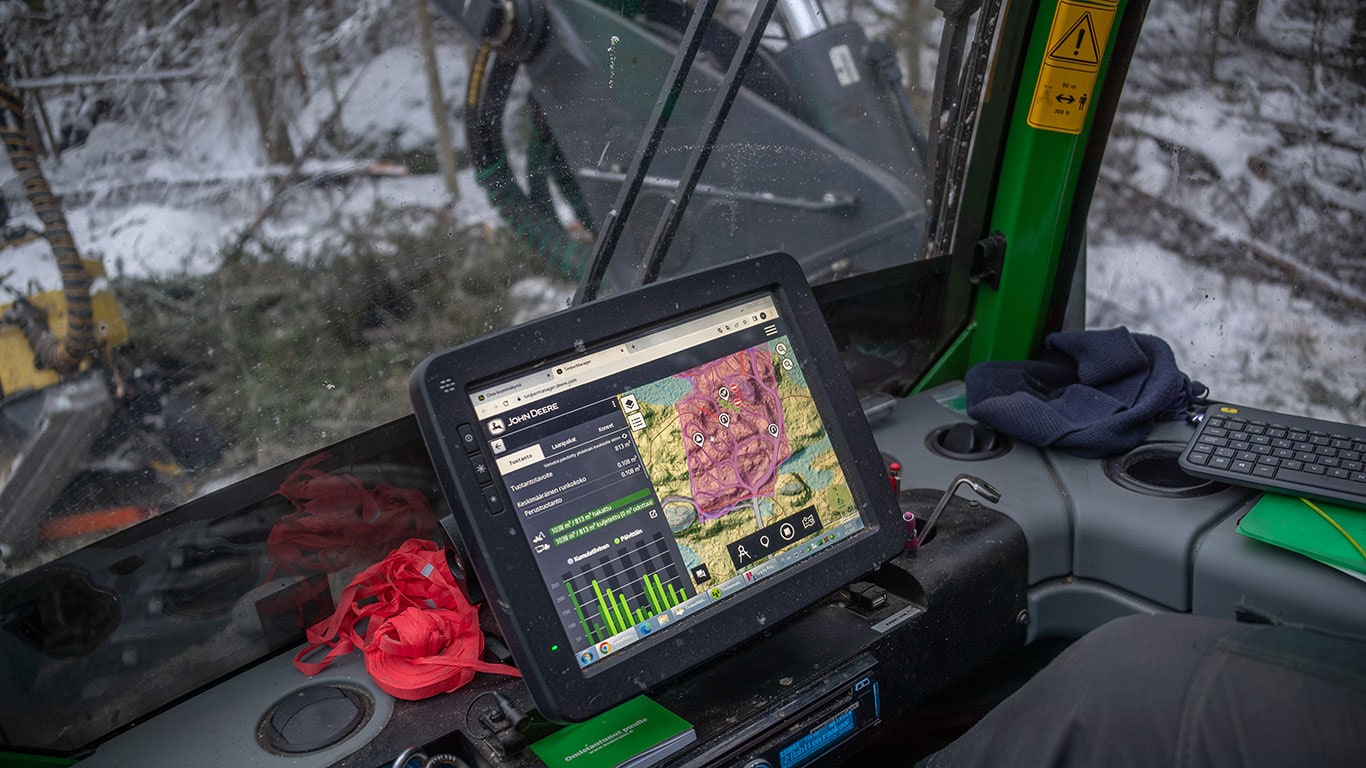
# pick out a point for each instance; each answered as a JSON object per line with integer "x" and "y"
{"x": 485, "y": 100}
{"x": 63, "y": 355}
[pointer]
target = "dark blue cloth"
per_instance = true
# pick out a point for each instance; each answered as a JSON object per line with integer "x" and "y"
{"x": 1091, "y": 393}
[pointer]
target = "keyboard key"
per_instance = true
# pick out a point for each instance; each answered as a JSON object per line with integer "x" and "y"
{"x": 1227, "y": 453}
{"x": 1242, "y": 467}
{"x": 1315, "y": 469}
{"x": 1339, "y": 473}
{"x": 1303, "y": 478}
{"x": 1220, "y": 462}
{"x": 1264, "y": 470}
{"x": 1202, "y": 448}
{"x": 1268, "y": 460}
{"x": 1295, "y": 465}
{"x": 1198, "y": 458}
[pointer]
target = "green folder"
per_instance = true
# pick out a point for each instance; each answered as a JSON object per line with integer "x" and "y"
{"x": 633, "y": 735}
{"x": 1288, "y": 522}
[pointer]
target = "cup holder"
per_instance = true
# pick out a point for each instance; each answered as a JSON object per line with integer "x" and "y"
{"x": 313, "y": 718}
{"x": 1152, "y": 470}
{"x": 967, "y": 441}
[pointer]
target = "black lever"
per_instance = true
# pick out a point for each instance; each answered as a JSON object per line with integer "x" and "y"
{"x": 977, "y": 484}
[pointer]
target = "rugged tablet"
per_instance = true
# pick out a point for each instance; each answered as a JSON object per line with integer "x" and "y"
{"x": 645, "y": 481}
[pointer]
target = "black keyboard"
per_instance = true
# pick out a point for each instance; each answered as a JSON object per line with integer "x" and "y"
{"x": 1279, "y": 453}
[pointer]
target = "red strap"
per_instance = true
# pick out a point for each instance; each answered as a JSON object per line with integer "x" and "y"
{"x": 420, "y": 636}
{"x": 420, "y": 653}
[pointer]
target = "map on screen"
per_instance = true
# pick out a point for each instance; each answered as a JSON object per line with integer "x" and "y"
{"x": 733, "y": 446}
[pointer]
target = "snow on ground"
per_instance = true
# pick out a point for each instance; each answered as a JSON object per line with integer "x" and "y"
{"x": 1251, "y": 342}
{"x": 386, "y": 100}
{"x": 1236, "y": 152}
{"x": 207, "y": 181}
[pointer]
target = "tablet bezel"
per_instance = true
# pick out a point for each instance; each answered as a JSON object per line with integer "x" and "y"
{"x": 496, "y": 544}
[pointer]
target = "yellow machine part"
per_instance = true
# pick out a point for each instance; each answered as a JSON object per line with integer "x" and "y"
{"x": 17, "y": 372}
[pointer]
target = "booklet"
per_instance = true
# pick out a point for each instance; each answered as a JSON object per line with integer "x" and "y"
{"x": 1290, "y": 523}
{"x": 636, "y": 734}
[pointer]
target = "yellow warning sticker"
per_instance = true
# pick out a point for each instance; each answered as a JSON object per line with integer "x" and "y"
{"x": 1067, "y": 78}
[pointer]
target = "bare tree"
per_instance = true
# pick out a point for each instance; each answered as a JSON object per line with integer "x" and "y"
{"x": 1356, "y": 46}
{"x": 1245, "y": 18}
{"x": 257, "y": 59}
{"x": 445, "y": 153}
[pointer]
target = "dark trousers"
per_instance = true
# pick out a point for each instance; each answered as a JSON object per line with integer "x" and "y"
{"x": 1175, "y": 689}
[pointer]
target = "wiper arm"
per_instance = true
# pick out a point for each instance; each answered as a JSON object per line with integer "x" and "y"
{"x": 654, "y": 132}
{"x": 720, "y": 108}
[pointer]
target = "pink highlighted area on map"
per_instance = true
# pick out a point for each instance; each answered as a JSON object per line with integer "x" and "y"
{"x": 733, "y": 431}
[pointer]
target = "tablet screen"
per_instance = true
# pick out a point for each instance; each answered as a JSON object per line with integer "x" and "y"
{"x": 661, "y": 474}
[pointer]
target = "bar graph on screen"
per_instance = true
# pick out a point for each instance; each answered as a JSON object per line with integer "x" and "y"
{"x": 626, "y": 587}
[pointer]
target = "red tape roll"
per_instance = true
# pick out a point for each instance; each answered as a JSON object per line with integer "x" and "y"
{"x": 420, "y": 635}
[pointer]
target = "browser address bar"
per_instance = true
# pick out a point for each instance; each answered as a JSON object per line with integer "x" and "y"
{"x": 622, "y": 357}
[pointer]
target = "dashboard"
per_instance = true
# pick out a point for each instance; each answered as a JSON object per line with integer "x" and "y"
{"x": 1071, "y": 543}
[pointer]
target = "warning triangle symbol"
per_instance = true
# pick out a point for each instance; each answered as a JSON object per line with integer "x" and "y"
{"x": 1078, "y": 45}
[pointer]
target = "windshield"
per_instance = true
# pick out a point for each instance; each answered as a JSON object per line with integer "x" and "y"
{"x": 232, "y": 230}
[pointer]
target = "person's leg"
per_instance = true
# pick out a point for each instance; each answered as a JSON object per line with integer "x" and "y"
{"x": 1174, "y": 689}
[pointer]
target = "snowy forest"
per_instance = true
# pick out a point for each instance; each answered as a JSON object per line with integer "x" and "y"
{"x": 1236, "y": 176}
{"x": 281, "y": 196}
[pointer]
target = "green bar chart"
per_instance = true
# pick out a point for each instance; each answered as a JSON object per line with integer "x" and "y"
{"x": 626, "y": 587}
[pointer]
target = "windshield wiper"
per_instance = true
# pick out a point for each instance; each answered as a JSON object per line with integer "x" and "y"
{"x": 615, "y": 221}
{"x": 651, "y": 261}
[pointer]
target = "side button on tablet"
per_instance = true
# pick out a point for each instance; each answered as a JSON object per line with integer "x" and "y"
{"x": 481, "y": 468}
{"x": 492, "y": 500}
{"x": 467, "y": 437}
